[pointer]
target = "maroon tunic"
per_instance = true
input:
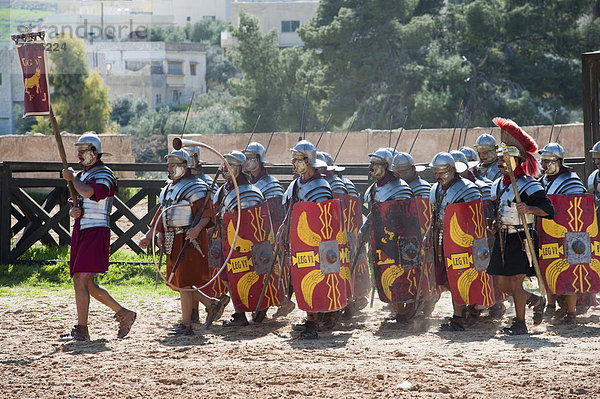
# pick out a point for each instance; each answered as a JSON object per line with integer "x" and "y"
{"x": 90, "y": 247}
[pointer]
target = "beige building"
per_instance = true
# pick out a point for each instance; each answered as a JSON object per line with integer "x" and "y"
{"x": 283, "y": 16}
{"x": 162, "y": 73}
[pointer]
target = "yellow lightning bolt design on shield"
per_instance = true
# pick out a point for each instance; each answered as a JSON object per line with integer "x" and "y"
{"x": 426, "y": 215}
{"x": 325, "y": 218}
{"x": 486, "y": 289}
{"x": 351, "y": 216}
{"x": 218, "y": 285}
{"x": 581, "y": 276}
{"x": 258, "y": 223}
{"x": 575, "y": 212}
{"x": 411, "y": 277}
{"x": 333, "y": 293}
{"x": 271, "y": 291}
{"x": 477, "y": 218}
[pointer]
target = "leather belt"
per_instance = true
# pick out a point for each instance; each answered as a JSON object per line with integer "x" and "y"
{"x": 514, "y": 229}
{"x": 176, "y": 230}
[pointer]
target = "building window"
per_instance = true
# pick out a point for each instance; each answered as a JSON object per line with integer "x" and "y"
{"x": 189, "y": 19}
{"x": 193, "y": 69}
{"x": 209, "y": 17}
{"x": 175, "y": 68}
{"x": 0, "y": 79}
{"x": 108, "y": 68}
{"x": 156, "y": 68}
{"x": 158, "y": 99}
{"x": 176, "y": 96}
{"x": 289, "y": 26}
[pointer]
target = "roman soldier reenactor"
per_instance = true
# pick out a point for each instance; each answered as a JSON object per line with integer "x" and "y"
{"x": 510, "y": 262}
{"x": 311, "y": 230}
{"x": 486, "y": 146}
{"x": 404, "y": 167}
{"x": 175, "y": 227}
{"x": 388, "y": 267}
{"x": 558, "y": 179}
{"x": 226, "y": 204}
{"x": 450, "y": 188}
{"x": 96, "y": 186}
{"x": 273, "y": 192}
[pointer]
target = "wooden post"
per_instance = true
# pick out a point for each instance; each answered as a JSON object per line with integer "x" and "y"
{"x": 5, "y": 216}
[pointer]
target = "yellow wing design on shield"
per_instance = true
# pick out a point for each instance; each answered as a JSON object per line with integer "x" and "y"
{"x": 553, "y": 229}
{"x": 554, "y": 270}
{"x": 388, "y": 277}
{"x": 309, "y": 282}
{"x": 457, "y": 234}
{"x": 305, "y": 234}
{"x": 241, "y": 243}
{"x": 464, "y": 283}
{"x": 244, "y": 285}
{"x": 593, "y": 228}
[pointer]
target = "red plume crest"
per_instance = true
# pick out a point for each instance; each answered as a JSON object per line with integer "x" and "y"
{"x": 519, "y": 134}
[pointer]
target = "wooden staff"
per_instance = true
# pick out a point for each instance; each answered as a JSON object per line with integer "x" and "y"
{"x": 63, "y": 155}
{"x": 509, "y": 154}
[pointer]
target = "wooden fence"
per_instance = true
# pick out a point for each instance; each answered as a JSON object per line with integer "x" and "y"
{"x": 36, "y": 220}
{"x": 24, "y": 221}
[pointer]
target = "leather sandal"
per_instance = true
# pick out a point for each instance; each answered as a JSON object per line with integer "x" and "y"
{"x": 456, "y": 323}
{"x": 570, "y": 319}
{"x": 126, "y": 318}
{"x": 213, "y": 312}
{"x": 77, "y": 333}
{"x": 181, "y": 329}
{"x": 285, "y": 309}
{"x": 237, "y": 320}
{"x": 519, "y": 327}
{"x": 259, "y": 316}
{"x": 497, "y": 310}
{"x": 538, "y": 303}
{"x": 310, "y": 331}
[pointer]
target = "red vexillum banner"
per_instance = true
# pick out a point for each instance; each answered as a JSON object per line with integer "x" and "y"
{"x": 35, "y": 79}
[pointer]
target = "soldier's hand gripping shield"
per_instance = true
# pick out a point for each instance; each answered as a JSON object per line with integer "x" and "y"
{"x": 467, "y": 254}
{"x": 396, "y": 250}
{"x": 251, "y": 259}
{"x": 315, "y": 236}
{"x": 570, "y": 246}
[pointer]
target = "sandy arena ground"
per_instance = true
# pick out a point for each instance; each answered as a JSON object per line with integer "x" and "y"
{"x": 366, "y": 357}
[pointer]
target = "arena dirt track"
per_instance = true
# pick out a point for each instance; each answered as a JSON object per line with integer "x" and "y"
{"x": 363, "y": 358}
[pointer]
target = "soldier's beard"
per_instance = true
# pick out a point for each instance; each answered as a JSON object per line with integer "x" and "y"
{"x": 88, "y": 158}
{"x": 489, "y": 158}
{"x": 551, "y": 169}
{"x": 377, "y": 171}
{"x": 300, "y": 167}
{"x": 445, "y": 177}
{"x": 178, "y": 173}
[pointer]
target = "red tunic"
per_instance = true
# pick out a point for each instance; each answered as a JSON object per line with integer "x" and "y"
{"x": 90, "y": 247}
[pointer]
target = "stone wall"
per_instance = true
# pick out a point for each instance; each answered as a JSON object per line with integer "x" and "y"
{"x": 359, "y": 144}
{"x": 42, "y": 148}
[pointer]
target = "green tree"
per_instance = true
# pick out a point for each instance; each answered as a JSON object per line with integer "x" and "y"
{"x": 500, "y": 57}
{"x": 273, "y": 81}
{"x": 79, "y": 98}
